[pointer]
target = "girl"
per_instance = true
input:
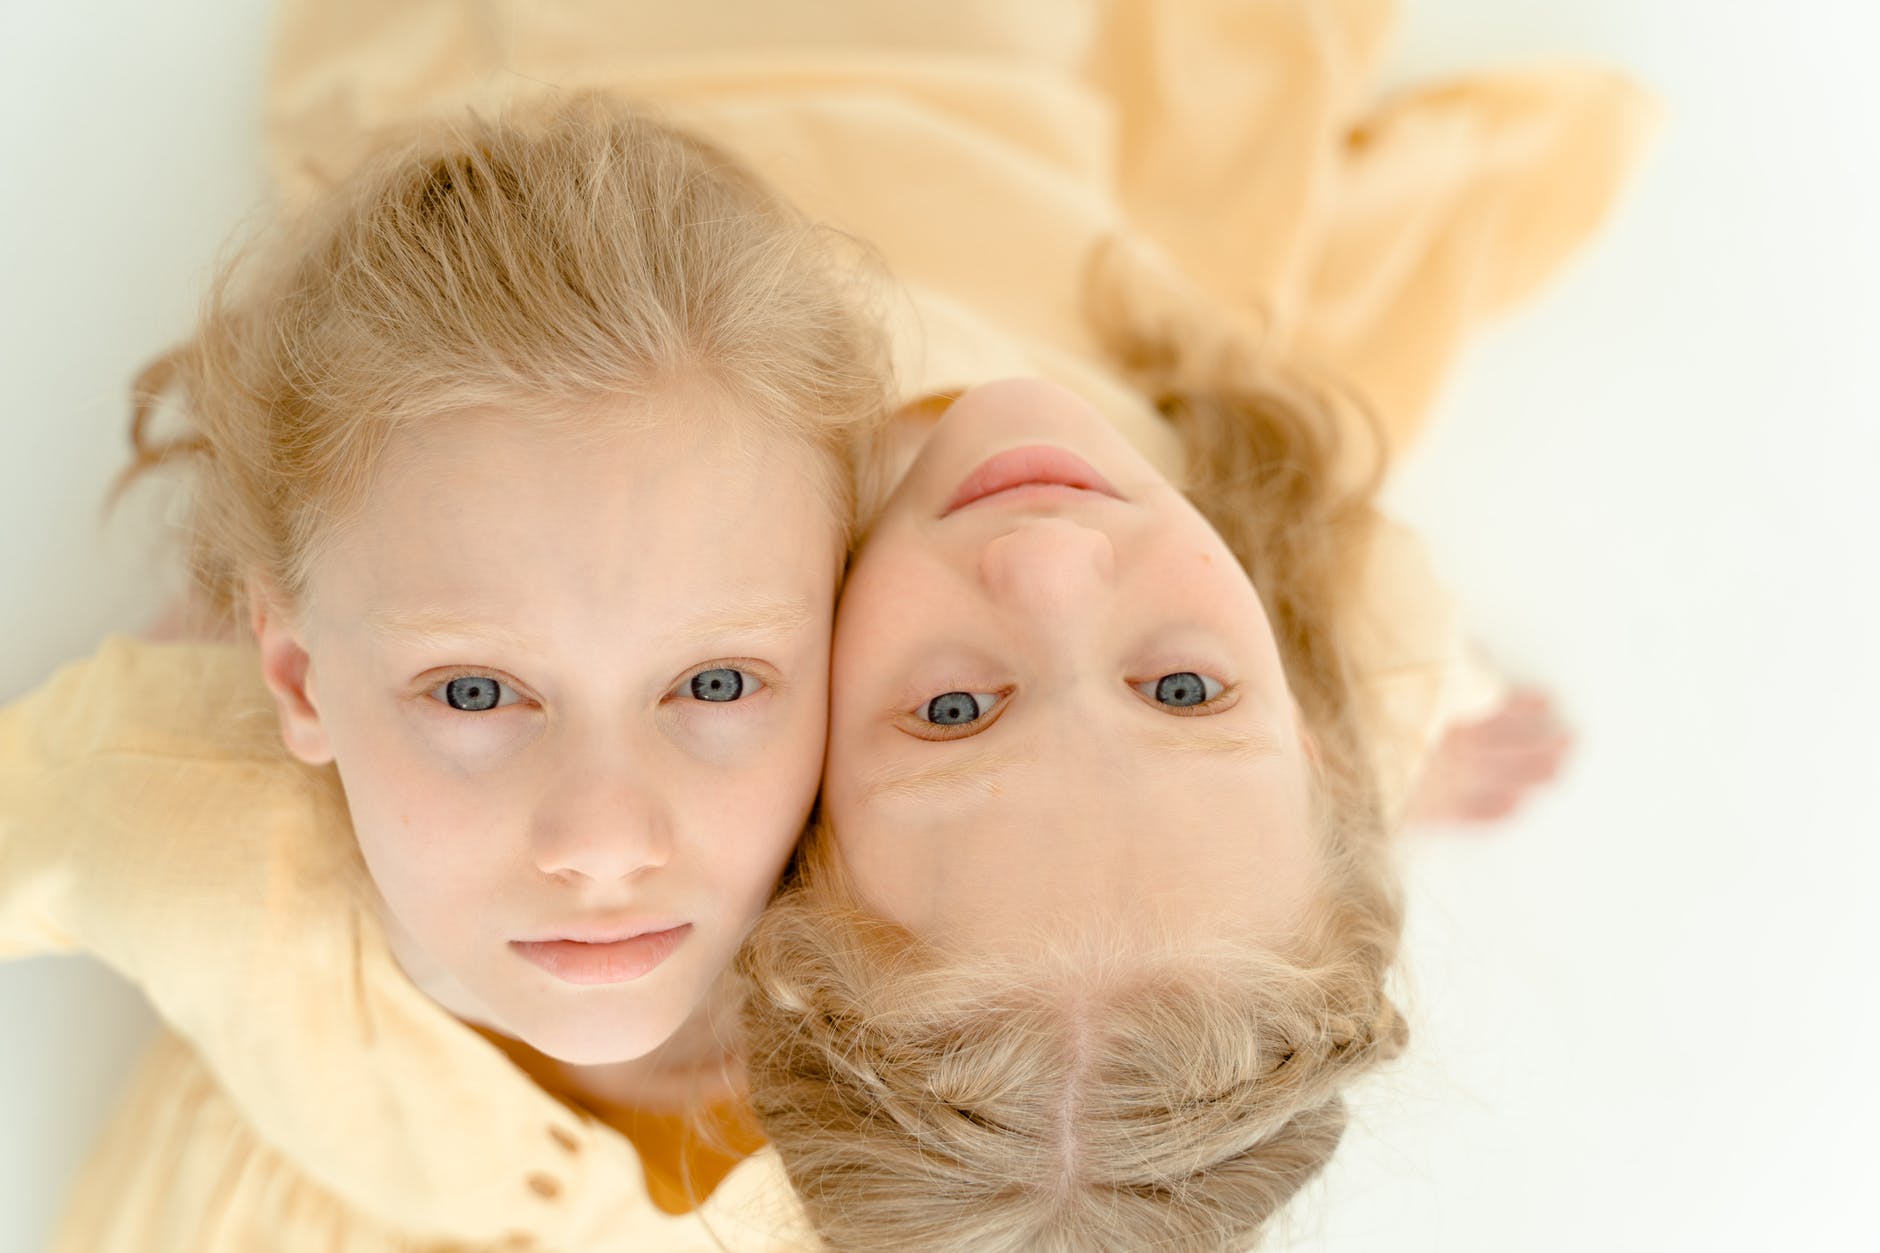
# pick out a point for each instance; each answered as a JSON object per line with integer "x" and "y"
{"x": 1097, "y": 920}
{"x": 1098, "y": 923}
{"x": 1248, "y": 208}
{"x": 525, "y": 452}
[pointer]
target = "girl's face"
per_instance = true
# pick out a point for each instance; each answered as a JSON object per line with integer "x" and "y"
{"x": 576, "y": 689}
{"x": 1052, "y": 704}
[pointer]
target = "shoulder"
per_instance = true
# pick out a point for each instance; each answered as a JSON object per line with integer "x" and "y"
{"x": 186, "y": 700}
{"x": 148, "y": 809}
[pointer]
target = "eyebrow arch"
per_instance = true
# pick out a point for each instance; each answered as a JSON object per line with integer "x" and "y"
{"x": 765, "y": 615}
{"x": 1253, "y": 743}
{"x": 436, "y": 627}
{"x": 987, "y": 767}
{"x": 768, "y": 616}
{"x": 942, "y": 777}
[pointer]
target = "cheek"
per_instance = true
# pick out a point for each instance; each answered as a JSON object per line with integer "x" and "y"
{"x": 426, "y": 838}
{"x": 753, "y": 821}
{"x": 772, "y": 797}
{"x": 891, "y": 597}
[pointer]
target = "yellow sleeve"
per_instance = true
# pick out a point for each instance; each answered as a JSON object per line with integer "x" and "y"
{"x": 1367, "y": 237}
{"x": 1227, "y": 114}
{"x": 118, "y": 784}
{"x": 37, "y": 847}
{"x": 1453, "y": 203}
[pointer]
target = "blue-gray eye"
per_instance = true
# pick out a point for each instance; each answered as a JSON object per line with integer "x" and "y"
{"x": 722, "y": 683}
{"x": 952, "y": 709}
{"x": 1183, "y": 689}
{"x": 472, "y": 693}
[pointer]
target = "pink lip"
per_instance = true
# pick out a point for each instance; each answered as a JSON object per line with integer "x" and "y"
{"x": 1036, "y": 465}
{"x": 617, "y": 961}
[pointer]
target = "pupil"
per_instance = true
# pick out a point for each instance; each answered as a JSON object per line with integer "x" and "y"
{"x": 718, "y": 685}
{"x": 952, "y": 708}
{"x": 471, "y": 694}
{"x": 1180, "y": 689}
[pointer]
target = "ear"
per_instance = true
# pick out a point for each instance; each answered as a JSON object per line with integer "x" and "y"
{"x": 285, "y": 667}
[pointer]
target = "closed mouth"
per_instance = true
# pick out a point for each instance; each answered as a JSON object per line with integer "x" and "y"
{"x": 1037, "y": 465}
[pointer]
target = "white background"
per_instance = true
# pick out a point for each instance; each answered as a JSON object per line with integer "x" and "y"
{"x": 1646, "y": 1010}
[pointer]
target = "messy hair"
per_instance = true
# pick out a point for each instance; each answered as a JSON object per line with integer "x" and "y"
{"x": 571, "y": 259}
{"x": 1125, "y": 1090}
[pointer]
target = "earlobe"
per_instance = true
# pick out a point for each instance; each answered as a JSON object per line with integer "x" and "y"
{"x": 285, "y": 666}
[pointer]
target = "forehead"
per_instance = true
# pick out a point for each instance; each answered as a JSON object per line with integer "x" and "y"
{"x": 485, "y": 507}
{"x": 1048, "y": 837}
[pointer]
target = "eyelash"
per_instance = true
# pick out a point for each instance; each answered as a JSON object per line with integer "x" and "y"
{"x": 956, "y": 730}
{"x": 434, "y": 682}
{"x": 960, "y": 730}
{"x": 743, "y": 665}
{"x": 1211, "y": 705}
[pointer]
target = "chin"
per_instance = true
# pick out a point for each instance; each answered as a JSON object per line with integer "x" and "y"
{"x": 604, "y": 1043}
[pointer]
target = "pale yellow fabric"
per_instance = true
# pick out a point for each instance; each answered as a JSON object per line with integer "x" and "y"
{"x": 309, "y": 1097}
{"x": 304, "y": 1095}
{"x": 984, "y": 146}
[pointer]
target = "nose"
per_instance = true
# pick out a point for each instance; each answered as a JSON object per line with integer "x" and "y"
{"x": 1051, "y": 570}
{"x": 605, "y": 821}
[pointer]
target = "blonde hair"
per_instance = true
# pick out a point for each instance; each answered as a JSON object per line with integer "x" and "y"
{"x": 1126, "y": 1094}
{"x": 563, "y": 262}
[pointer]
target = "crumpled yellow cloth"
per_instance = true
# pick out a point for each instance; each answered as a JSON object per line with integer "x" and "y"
{"x": 984, "y": 146}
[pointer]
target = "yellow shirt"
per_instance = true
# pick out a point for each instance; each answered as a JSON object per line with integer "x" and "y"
{"x": 306, "y": 1096}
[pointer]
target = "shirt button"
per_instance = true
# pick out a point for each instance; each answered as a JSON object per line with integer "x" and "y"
{"x": 544, "y": 1186}
{"x": 563, "y": 1138}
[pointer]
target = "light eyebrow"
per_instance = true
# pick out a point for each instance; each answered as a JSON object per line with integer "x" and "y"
{"x": 988, "y": 767}
{"x": 769, "y": 615}
{"x": 1210, "y": 737}
{"x": 943, "y": 777}
{"x": 765, "y": 616}
{"x": 422, "y": 627}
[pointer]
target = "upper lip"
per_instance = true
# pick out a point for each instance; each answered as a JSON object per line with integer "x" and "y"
{"x": 602, "y": 932}
{"x": 1023, "y": 467}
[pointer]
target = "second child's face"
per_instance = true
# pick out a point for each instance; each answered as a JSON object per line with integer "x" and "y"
{"x": 576, "y": 689}
{"x": 1058, "y": 705}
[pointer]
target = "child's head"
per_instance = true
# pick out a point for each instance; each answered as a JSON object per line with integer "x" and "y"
{"x": 529, "y": 455}
{"x": 1095, "y": 923}
{"x": 1028, "y": 681}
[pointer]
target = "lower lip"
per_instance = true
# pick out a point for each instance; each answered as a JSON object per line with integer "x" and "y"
{"x": 1043, "y": 467}
{"x": 620, "y": 962}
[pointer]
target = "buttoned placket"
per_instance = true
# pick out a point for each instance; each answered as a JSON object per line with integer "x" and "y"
{"x": 547, "y": 1189}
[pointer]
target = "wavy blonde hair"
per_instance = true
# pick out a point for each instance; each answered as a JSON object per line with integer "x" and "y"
{"x": 565, "y": 262}
{"x": 1120, "y": 1093}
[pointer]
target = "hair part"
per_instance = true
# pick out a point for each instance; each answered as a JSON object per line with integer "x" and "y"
{"x": 1134, "y": 1089}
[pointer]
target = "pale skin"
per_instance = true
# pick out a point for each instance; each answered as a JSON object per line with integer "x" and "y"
{"x": 1482, "y": 770}
{"x": 1059, "y": 786}
{"x": 1057, "y": 619}
{"x": 577, "y": 587}
{"x": 1479, "y": 771}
